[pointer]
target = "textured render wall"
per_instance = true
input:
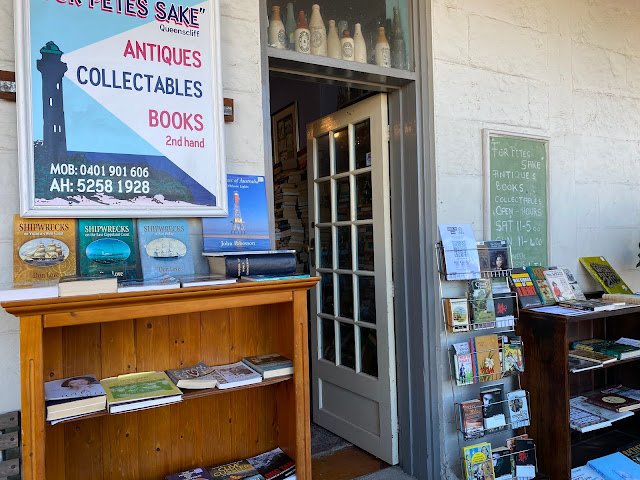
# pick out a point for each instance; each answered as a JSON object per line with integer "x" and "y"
{"x": 566, "y": 69}
{"x": 240, "y": 33}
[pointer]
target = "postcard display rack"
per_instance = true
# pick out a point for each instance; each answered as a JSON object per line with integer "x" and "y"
{"x": 548, "y": 338}
{"x": 113, "y": 334}
{"x": 465, "y": 389}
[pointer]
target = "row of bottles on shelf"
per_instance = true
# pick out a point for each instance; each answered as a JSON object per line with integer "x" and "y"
{"x": 338, "y": 42}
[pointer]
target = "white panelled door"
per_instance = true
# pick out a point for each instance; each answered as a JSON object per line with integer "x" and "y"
{"x": 353, "y": 346}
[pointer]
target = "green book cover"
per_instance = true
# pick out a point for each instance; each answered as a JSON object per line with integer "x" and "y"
{"x": 604, "y": 274}
{"x": 107, "y": 247}
{"x": 542, "y": 287}
{"x": 481, "y": 300}
{"x": 138, "y": 386}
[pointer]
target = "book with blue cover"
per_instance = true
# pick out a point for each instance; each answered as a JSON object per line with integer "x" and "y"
{"x": 106, "y": 247}
{"x": 615, "y": 467}
{"x": 165, "y": 248}
{"x": 246, "y": 227}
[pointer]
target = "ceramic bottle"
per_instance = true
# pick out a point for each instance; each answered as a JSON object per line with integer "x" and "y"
{"x": 290, "y": 27}
{"x": 303, "y": 36}
{"x": 334, "y": 49}
{"x": 347, "y": 45}
{"x": 277, "y": 36}
{"x": 360, "y": 47}
{"x": 318, "y": 32}
{"x": 398, "y": 47}
{"x": 383, "y": 52}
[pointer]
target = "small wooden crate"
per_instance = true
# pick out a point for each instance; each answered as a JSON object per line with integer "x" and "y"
{"x": 10, "y": 446}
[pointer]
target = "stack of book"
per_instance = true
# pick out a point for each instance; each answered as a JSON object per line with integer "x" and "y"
{"x": 601, "y": 409}
{"x": 622, "y": 349}
{"x": 73, "y": 397}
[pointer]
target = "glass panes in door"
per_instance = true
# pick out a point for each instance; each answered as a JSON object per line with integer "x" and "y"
{"x": 344, "y": 232}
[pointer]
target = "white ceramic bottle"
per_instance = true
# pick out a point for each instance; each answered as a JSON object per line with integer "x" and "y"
{"x": 347, "y": 46}
{"x": 334, "y": 49}
{"x": 290, "y": 27}
{"x": 318, "y": 32}
{"x": 277, "y": 37}
{"x": 383, "y": 51}
{"x": 303, "y": 37}
{"x": 360, "y": 48}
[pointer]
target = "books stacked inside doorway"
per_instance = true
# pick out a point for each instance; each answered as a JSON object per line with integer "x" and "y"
{"x": 272, "y": 465}
{"x": 79, "y": 396}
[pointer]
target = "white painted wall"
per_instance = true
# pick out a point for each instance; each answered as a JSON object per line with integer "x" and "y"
{"x": 566, "y": 69}
{"x": 240, "y": 32}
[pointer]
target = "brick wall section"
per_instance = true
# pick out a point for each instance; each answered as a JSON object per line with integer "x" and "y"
{"x": 245, "y": 151}
{"x": 569, "y": 70}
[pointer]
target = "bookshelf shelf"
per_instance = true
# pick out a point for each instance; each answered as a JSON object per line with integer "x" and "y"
{"x": 191, "y": 395}
{"x": 617, "y": 363}
{"x": 548, "y": 338}
{"x": 109, "y": 335}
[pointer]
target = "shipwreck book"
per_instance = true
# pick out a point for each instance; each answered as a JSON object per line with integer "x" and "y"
{"x": 44, "y": 249}
{"x": 165, "y": 248}
{"x": 107, "y": 247}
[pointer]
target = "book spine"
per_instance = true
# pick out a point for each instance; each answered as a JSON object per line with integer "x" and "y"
{"x": 242, "y": 265}
{"x": 474, "y": 363}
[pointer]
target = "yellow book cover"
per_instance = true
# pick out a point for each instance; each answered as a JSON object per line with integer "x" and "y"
{"x": 487, "y": 357}
{"x": 604, "y": 274}
{"x": 43, "y": 249}
{"x": 138, "y": 386}
{"x": 478, "y": 461}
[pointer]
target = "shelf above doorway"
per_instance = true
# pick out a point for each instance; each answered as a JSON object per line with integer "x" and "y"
{"x": 290, "y": 63}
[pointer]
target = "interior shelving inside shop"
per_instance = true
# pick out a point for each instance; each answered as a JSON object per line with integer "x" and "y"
{"x": 490, "y": 409}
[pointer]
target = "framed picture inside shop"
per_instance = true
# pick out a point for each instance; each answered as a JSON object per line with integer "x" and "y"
{"x": 120, "y": 109}
{"x": 284, "y": 135}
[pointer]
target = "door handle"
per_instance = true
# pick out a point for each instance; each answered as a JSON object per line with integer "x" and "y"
{"x": 312, "y": 252}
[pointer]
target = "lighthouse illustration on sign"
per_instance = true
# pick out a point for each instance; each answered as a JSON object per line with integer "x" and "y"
{"x": 53, "y": 69}
{"x": 237, "y": 225}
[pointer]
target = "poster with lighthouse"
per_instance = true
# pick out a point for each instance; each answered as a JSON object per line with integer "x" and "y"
{"x": 120, "y": 108}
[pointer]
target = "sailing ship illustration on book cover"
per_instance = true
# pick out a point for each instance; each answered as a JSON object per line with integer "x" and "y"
{"x": 107, "y": 247}
{"x": 44, "y": 249}
{"x": 165, "y": 248}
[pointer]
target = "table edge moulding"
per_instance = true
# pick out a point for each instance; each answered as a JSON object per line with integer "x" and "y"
{"x": 260, "y": 314}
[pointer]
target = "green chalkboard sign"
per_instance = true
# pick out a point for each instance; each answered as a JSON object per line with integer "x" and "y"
{"x": 516, "y": 194}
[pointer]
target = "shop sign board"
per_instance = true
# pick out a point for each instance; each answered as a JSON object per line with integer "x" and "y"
{"x": 516, "y": 194}
{"x": 120, "y": 108}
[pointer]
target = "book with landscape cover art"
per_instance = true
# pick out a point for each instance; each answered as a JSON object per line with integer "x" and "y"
{"x": 481, "y": 299}
{"x": 604, "y": 274}
{"x": 246, "y": 227}
{"x": 106, "y": 247}
{"x": 43, "y": 249}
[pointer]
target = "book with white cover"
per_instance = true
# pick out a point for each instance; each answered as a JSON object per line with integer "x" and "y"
{"x": 73, "y": 396}
{"x": 235, "y": 375}
{"x": 11, "y": 293}
{"x": 460, "y": 251}
{"x": 585, "y": 472}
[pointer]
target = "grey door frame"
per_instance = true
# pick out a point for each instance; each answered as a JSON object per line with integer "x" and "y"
{"x": 413, "y": 208}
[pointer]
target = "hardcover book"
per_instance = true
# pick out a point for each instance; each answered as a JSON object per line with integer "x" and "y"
{"x": 73, "y": 396}
{"x": 164, "y": 283}
{"x": 471, "y": 423}
{"x": 588, "y": 305}
{"x": 457, "y": 314}
{"x": 274, "y": 465}
{"x": 195, "y": 474}
{"x": 559, "y": 284}
{"x": 72, "y": 286}
{"x": 493, "y": 408}
{"x": 581, "y": 403}
{"x": 235, "y": 375}
{"x": 136, "y": 391}
{"x": 195, "y": 377}
{"x": 626, "y": 391}
{"x": 632, "y": 451}
{"x": 577, "y": 291}
{"x": 580, "y": 365}
{"x": 235, "y": 266}
{"x": 615, "y": 467}
{"x": 527, "y": 295}
{"x": 481, "y": 299}
{"x": 593, "y": 356}
{"x": 604, "y": 274}
{"x": 518, "y": 408}
{"x": 485, "y": 349}
{"x": 235, "y": 471}
{"x": 204, "y": 280}
{"x": 614, "y": 401}
{"x": 542, "y": 287}
{"x": 478, "y": 462}
{"x": 106, "y": 247}
{"x": 165, "y": 248}
{"x": 270, "y": 365}
{"x": 246, "y": 227}
{"x": 43, "y": 249}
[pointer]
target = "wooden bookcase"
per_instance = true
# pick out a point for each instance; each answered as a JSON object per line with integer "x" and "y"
{"x": 548, "y": 338}
{"x": 114, "y": 334}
